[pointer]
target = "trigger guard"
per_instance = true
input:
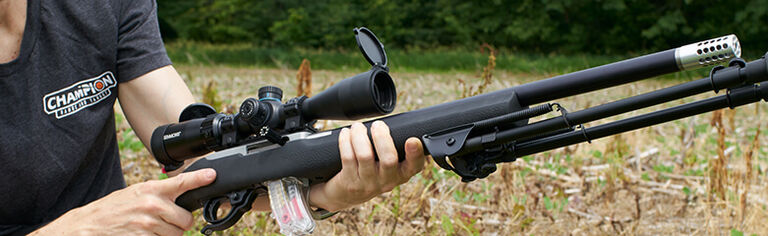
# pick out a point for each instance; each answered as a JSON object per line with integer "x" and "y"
{"x": 210, "y": 209}
{"x": 240, "y": 202}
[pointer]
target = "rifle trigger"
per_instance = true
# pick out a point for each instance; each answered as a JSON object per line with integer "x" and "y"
{"x": 240, "y": 201}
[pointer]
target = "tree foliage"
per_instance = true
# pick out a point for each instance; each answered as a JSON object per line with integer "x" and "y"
{"x": 606, "y": 26}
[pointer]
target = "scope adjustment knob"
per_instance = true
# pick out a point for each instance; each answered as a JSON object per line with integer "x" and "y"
{"x": 270, "y": 93}
{"x": 254, "y": 112}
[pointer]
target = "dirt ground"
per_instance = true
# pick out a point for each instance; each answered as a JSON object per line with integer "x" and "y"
{"x": 676, "y": 178}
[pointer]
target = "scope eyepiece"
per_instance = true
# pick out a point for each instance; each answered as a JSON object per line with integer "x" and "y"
{"x": 158, "y": 149}
{"x": 172, "y": 144}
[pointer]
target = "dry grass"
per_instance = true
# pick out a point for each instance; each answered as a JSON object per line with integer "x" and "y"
{"x": 468, "y": 90}
{"x": 304, "y": 79}
{"x": 647, "y": 182}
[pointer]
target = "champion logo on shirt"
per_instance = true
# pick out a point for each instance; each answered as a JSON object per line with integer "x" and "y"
{"x": 85, "y": 93}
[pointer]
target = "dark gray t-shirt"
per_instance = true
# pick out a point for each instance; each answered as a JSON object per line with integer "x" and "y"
{"x": 58, "y": 148}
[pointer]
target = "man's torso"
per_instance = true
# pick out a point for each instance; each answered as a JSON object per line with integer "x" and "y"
{"x": 58, "y": 148}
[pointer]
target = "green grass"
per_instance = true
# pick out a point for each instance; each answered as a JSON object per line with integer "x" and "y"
{"x": 439, "y": 60}
{"x": 420, "y": 60}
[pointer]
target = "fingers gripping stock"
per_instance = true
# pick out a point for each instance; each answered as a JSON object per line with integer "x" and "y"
{"x": 270, "y": 141}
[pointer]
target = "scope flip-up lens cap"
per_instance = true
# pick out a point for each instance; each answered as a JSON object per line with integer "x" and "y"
{"x": 371, "y": 47}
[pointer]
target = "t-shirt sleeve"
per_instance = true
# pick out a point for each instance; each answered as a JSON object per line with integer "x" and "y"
{"x": 140, "y": 48}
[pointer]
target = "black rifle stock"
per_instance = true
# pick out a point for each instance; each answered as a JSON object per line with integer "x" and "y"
{"x": 469, "y": 136}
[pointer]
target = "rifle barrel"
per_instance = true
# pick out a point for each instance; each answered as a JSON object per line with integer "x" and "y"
{"x": 691, "y": 56}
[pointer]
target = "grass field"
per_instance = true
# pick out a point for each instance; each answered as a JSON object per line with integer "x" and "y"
{"x": 467, "y": 60}
{"x": 660, "y": 180}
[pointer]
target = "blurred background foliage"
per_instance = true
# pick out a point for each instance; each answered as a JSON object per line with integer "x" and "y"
{"x": 615, "y": 27}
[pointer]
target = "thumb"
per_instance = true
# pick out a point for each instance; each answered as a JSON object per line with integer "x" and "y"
{"x": 414, "y": 157}
{"x": 175, "y": 186}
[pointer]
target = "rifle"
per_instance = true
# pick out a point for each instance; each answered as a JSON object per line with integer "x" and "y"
{"x": 270, "y": 147}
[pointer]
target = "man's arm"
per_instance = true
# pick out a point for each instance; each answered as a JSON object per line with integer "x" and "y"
{"x": 154, "y": 99}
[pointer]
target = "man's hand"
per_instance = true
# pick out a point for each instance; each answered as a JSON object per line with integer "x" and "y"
{"x": 362, "y": 177}
{"x": 141, "y": 209}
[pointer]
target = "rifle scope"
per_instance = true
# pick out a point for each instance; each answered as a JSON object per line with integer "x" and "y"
{"x": 201, "y": 130}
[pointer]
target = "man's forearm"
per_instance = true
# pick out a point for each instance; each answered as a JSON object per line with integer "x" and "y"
{"x": 154, "y": 99}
